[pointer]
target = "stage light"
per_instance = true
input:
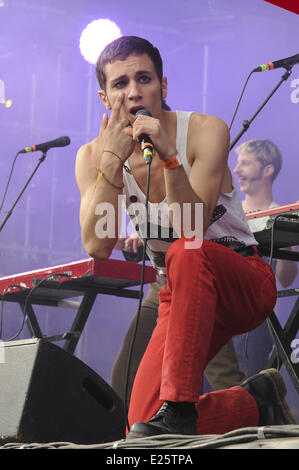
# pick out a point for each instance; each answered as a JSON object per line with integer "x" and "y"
{"x": 2, "y": 92}
{"x": 8, "y": 103}
{"x": 96, "y": 36}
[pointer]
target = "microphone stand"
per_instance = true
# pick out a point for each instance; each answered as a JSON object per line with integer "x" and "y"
{"x": 246, "y": 124}
{"x": 9, "y": 212}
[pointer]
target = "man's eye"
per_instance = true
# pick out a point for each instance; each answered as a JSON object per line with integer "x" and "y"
{"x": 120, "y": 84}
{"x": 144, "y": 79}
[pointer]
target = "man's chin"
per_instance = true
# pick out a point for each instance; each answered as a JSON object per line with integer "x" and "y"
{"x": 243, "y": 187}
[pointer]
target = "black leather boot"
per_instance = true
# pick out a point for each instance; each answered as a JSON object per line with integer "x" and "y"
{"x": 269, "y": 391}
{"x": 172, "y": 418}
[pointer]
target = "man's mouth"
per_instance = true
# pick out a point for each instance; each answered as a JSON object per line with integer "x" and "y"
{"x": 241, "y": 180}
{"x": 134, "y": 110}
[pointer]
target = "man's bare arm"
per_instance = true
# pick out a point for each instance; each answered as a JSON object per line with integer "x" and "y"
{"x": 209, "y": 142}
{"x": 95, "y": 192}
{"x": 285, "y": 270}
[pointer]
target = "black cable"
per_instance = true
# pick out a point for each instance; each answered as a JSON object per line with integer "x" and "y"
{"x": 9, "y": 178}
{"x": 49, "y": 276}
{"x": 140, "y": 295}
{"x": 2, "y": 306}
{"x": 25, "y": 306}
{"x": 237, "y": 107}
{"x": 269, "y": 326}
{"x": 230, "y": 126}
{"x": 278, "y": 362}
{"x": 272, "y": 239}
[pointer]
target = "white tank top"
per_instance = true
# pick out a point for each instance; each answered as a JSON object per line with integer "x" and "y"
{"x": 228, "y": 224}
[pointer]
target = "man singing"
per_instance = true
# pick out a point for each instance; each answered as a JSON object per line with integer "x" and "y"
{"x": 216, "y": 288}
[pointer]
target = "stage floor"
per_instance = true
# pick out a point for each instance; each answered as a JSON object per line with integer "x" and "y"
{"x": 266, "y": 437}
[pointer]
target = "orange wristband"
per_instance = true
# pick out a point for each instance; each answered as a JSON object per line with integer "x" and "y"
{"x": 170, "y": 164}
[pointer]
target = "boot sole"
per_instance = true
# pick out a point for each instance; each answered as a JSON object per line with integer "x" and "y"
{"x": 144, "y": 431}
{"x": 280, "y": 392}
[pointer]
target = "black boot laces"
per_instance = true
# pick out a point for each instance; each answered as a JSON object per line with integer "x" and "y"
{"x": 165, "y": 414}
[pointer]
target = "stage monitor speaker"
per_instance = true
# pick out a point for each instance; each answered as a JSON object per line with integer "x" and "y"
{"x": 49, "y": 395}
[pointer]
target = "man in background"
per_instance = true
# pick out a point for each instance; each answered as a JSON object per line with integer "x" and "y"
{"x": 259, "y": 163}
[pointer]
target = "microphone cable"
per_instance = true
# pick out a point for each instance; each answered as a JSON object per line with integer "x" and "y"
{"x": 230, "y": 126}
{"x": 268, "y": 321}
{"x": 8, "y": 181}
{"x": 241, "y": 96}
{"x": 140, "y": 295}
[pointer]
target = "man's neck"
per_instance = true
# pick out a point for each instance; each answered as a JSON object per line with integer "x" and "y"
{"x": 258, "y": 201}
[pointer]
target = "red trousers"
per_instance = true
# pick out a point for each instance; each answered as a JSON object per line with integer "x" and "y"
{"x": 212, "y": 294}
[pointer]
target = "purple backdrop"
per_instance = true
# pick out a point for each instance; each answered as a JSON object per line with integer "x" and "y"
{"x": 209, "y": 47}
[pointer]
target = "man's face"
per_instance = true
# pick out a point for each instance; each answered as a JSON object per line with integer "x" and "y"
{"x": 249, "y": 172}
{"x": 137, "y": 79}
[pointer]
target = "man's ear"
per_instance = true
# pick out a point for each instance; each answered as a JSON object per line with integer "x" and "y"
{"x": 104, "y": 99}
{"x": 269, "y": 170}
{"x": 164, "y": 88}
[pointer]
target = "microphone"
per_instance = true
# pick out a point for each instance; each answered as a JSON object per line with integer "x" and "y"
{"x": 60, "y": 142}
{"x": 285, "y": 63}
{"x": 146, "y": 143}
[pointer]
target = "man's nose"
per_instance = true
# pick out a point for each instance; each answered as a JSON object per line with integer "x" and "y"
{"x": 236, "y": 169}
{"x": 134, "y": 91}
